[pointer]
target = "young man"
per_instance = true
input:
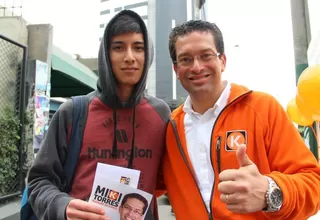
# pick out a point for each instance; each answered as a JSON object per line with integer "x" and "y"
{"x": 232, "y": 153}
{"x": 133, "y": 206}
{"x": 124, "y": 127}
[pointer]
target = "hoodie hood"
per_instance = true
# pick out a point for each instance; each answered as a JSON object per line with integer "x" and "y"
{"x": 107, "y": 82}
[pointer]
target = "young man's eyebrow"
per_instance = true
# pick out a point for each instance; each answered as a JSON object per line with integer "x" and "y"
{"x": 117, "y": 42}
{"x": 121, "y": 42}
{"x": 139, "y": 42}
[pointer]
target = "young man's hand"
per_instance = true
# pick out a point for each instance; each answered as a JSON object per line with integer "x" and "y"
{"x": 79, "y": 210}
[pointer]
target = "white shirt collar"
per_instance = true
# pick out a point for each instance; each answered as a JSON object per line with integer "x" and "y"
{"x": 218, "y": 106}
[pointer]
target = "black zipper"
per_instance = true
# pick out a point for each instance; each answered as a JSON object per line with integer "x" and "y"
{"x": 186, "y": 161}
{"x": 219, "y": 143}
{"x": 218, "y": 153}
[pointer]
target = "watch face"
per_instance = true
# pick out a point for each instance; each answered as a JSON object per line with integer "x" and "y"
{"x": 276, "y": 198}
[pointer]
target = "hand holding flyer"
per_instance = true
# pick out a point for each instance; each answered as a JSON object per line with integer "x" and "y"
{"x": 120, "y": 200}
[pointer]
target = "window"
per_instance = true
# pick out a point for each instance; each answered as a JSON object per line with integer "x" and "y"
{"x": 105, "y": 12}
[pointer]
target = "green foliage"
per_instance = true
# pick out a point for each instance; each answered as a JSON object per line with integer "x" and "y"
{"x": 9, "y": 154}
{"x": 301, "y": 130}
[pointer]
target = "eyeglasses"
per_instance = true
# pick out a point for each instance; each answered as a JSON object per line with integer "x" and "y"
{"x": 188, "y": 61}
{"x": 135, "y": 211}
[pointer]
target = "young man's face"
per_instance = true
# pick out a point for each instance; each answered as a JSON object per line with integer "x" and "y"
{"x": 202, "y": 75}
{"x": 131, "y": 210}
{"x": 127, "y": 56}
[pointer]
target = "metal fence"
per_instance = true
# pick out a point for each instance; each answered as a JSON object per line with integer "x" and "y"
{"x": 13, "y": 60}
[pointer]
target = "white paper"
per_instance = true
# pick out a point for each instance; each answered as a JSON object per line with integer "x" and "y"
{"x": 111, "y": 195}
{"x": 118, "y": 174}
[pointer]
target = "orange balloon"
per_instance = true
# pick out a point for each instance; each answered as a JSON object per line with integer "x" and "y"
{"x": 296, "y": 115}
{"x": 305, "y": 110}
{"x": 309, "y": 88}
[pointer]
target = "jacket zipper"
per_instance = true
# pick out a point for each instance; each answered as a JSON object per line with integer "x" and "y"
{"x": 218, "y": 145}
{"x": 186, "y": 162}
{"x": 218, "y": 153}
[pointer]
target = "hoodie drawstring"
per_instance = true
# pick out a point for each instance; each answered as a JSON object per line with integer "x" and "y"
{"x": 133, "y": 136}
{"x": 115, "y": 147}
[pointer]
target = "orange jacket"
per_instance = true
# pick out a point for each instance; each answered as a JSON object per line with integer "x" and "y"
{"x": 273, "y": 144}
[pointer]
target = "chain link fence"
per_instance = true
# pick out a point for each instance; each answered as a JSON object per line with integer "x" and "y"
{"x": 12, "y": 91}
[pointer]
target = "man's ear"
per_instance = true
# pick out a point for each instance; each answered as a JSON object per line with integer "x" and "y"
{"x": 223, "y": 60}
{"x": 175, "y": 68}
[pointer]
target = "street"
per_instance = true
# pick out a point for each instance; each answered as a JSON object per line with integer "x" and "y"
{"x": 165, "y": 209}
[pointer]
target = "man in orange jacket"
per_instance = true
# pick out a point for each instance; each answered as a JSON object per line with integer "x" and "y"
{"x": 232, "y": 153}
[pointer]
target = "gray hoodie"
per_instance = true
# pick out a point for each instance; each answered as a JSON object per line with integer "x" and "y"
{"x": 130, "y": 134}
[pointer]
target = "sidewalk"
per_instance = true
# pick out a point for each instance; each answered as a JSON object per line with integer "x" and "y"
{"x": 10, "y": 211}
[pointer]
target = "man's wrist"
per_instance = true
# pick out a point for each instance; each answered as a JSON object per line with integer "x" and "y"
{"x": 273, "y": 197}
{"x": 266, "y": 186}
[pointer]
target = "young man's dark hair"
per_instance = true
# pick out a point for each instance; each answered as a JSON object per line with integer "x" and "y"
{"x": 138, "y": 197}
{"x": 191, "y": 26}
{"x": 125, "y": 24}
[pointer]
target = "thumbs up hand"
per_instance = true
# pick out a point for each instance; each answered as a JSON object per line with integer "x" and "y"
{"x": 243, "y": 190}
{"x": 242, "y": 157}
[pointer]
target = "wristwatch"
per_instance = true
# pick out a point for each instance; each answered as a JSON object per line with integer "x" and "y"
{"x": 274, "y": 197}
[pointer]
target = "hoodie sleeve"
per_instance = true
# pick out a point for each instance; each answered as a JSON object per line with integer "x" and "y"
{"x": 163, "y": 109}
{"x": 161, "y": 187}
{"x": 46, "y": 176}
{"x": 295, "y": 169}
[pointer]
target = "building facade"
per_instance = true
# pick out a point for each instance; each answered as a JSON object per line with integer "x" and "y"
{"x": 108, "y": 8}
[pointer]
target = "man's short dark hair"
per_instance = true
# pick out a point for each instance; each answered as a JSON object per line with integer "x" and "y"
{"x": 192, "y": 26}
{"x": 138, "y": 197}
{"x": 124, "y": 24}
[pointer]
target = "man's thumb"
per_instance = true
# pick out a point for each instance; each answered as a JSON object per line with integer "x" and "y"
{"x": 242, "y": 156}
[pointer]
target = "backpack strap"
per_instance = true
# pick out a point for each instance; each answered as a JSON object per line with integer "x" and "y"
{"x": 79, "y": 117}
